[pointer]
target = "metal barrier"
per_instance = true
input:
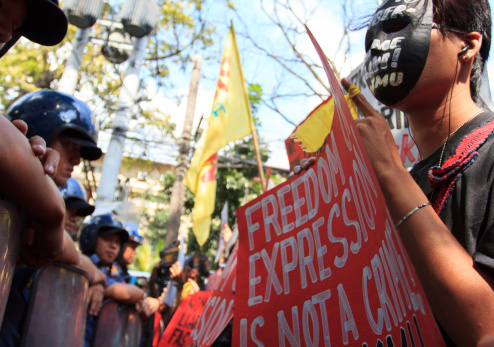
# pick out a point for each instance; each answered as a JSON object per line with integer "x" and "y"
{"x": 56, "y": 314}
{"x": 118, "y": 326}
{"x": 10, "y": 236}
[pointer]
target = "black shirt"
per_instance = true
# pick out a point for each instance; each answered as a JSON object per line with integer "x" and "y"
{"x": 469, "y": 212}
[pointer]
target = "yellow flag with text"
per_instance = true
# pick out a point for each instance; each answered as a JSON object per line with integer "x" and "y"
{"x": 230, "y": 120}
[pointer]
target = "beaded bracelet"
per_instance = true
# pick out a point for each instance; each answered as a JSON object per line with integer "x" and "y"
{"x": 415, "y": 209}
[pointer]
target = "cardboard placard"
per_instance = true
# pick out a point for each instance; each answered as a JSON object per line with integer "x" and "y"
{"x": 219, "y": 309}
{"x": 178, "y": 331}
{"x": 322, "y": 262}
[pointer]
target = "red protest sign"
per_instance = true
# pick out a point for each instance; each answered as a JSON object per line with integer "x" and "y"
{"x": 213, "y": 279}
{"x": 178, "y": 331}
{"x": 322, "y": 262}
{"x": 219, "y": 309}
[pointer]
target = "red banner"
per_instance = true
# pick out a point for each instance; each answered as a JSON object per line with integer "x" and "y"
{"x": 178, "y": 331}
{"x": 322, "y": 262}
{"x": 212, "y": 279}
{"x": 219, "y": 309}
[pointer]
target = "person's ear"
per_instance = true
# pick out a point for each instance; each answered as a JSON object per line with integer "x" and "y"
{"x": 472, "y": 43}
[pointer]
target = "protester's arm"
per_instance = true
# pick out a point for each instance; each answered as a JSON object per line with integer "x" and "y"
{"x": 460, "y": 294}
{"x": 124, "y": 293}
{"x": 226, "y": 234}
{"x": 23, "y": 182}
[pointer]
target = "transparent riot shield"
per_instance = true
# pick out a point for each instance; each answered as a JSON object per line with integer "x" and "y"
{"x": 10, "y": 236}
{"x": 118, "y": 326}
{"x": 56, "y": 314}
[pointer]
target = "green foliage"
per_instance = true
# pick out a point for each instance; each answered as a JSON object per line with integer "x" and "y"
{"x": 145, "y": 258}
{"x": 157, "y": 224}
{"x": 128, "y": 163}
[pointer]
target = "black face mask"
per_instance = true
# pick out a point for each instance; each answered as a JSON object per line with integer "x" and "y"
{"x": 397, "y": 45}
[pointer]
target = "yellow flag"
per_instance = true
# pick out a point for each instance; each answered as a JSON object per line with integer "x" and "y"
{"x": 315, "y": 128}
{"x": 230, "y": 120}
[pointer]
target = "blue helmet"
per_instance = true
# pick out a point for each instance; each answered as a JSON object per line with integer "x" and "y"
{"x": 134, "y": 234}
{"x": 49, "y": 113}
{"x": 75, "y": 197}
{"x": 104, "y": 224}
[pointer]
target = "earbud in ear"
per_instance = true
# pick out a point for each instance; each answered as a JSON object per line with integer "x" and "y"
{"x": 464, "y": 50}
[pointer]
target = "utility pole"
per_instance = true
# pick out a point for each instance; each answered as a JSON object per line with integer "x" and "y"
{"x": 70, "y": 76}
{"x": 178, "y": 191}
{"x": 126, "y": 100}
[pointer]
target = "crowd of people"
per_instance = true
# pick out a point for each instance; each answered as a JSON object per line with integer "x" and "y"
{"x": 442, "y": 207}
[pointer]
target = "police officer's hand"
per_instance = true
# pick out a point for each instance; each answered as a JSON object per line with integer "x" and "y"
{"x": 95, "y": 299}
{"x": 153, "y": 303}
{"x": 48, "y": 157}
{"x": 144, "y": 309}
{"x": 31, "y": 252}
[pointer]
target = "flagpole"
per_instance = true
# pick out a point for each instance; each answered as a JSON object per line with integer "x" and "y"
{"x": 252, "y": 126}
{"x": 258, "y": 159}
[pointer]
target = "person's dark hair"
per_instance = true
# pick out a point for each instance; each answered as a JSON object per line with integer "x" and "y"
{"x": 468, "y": 16}
{"x": 202, "y": 264}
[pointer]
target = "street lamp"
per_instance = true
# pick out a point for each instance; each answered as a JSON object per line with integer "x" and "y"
{"x": 83, "y": 14}
{"x": 139, "y": 17}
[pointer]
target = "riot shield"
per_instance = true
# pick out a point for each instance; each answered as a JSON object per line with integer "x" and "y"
{"x": 10, "y": 236}
{"x": 56, "y": 314}
{"x": 118, "y": 326}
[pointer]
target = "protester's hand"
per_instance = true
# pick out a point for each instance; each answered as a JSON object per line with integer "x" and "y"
{"x": 95, "y": 299}
{"x": 49, "y": 157}
{"x": 376, "y": 135}
{"x": 176, "y": 273}
{"x": 227, "y": 233}
{"x": 304, "y": 165}
{"x": 190, "y": 288}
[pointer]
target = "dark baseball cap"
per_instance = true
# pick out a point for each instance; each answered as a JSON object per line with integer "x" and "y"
{"x": 83, "y": 208}
{"x": 45, "y": 24}
{"x": 89, "y": 150}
